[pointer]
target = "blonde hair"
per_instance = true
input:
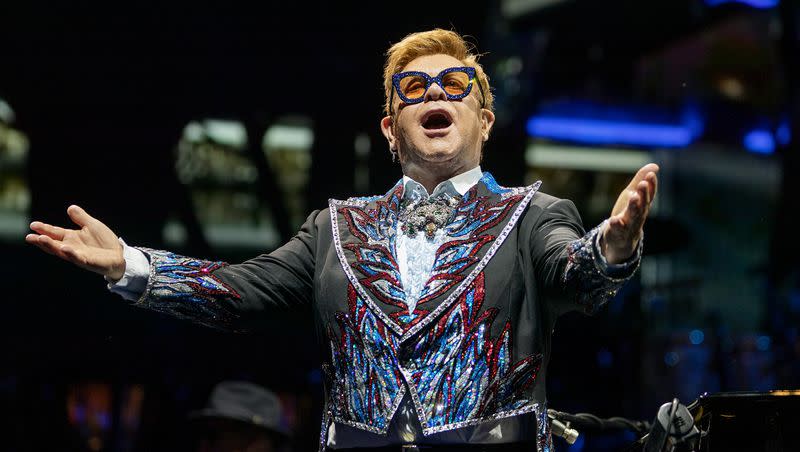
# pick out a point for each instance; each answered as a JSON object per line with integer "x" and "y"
{"x": 433, "y": 42}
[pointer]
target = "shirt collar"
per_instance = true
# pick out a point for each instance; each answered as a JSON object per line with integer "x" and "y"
{"x": 455, "y": 186}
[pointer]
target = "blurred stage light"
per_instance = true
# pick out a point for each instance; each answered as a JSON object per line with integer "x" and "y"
{"x": 761, "y": 4}
{"x": 759, "y": 141}
{"x": 784, "y": 133}
{"x": 601, "y": 131}
{"x": 6, "y": 113}
{"x": 587, "y": 122}
{"x": 696, "y": 337}
{"x": 226, "y": 132}
{"x": 512, "y": 9}
{"x": 671, "y": 359}
{"x": 763, "y": 343}
{"x": 605, "y": 359}
{"x": 541, "y": 155}
{"x": 296, "y": 137}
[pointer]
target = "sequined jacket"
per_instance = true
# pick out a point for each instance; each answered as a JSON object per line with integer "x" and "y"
{"x": 476, "y": 346}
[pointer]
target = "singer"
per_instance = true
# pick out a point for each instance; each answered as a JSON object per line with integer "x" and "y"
{"x": 434, "y": 302}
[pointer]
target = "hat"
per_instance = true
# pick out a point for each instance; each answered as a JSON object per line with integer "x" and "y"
{"x": 244, "y": 402}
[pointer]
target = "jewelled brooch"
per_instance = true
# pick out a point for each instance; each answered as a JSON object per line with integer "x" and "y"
{"x": 427, "y": 215}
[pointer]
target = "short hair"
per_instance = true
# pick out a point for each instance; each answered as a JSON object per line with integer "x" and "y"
{"x": 433, "y": 42}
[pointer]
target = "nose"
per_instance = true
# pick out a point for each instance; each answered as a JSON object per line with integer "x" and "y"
{"x": 435, "y": 92}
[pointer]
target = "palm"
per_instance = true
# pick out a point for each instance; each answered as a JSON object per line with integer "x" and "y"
{"x": 627, "y": 218}
{"x": 94, "y": 246}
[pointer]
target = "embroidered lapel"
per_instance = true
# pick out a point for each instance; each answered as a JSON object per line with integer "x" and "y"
{"x": 364, "y": 232}
{"x": 364, "y": 237}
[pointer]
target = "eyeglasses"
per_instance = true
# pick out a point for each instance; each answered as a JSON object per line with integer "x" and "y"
{"x": 456, "y": 82}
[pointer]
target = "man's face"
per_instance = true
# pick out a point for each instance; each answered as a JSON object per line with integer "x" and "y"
{"x": 437, "y": 130}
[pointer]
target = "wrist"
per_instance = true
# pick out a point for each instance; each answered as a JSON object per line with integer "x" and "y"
{"x": 116, "y": 273}
{"x": 117, "y": 270}
{"x": 615, "y": 252}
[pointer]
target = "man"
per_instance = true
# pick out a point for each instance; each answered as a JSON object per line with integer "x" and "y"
{"x": 239, "y": 417}
{"x": 435, "y": 301}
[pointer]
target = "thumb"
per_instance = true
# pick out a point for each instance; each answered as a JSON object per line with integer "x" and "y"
{"x": 79, "y": 216}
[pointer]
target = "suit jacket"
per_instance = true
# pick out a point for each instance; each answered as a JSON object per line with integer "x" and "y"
{"x": 476, "y": 346}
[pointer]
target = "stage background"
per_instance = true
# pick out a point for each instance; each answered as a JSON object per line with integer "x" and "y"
{"x": 212, "y": 129}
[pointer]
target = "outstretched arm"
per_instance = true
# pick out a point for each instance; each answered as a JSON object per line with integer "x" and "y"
{"x": 206, "y": 292}
{"x": 584, "y": 271}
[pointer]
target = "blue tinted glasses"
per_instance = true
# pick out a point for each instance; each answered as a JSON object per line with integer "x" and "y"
{"x": 456, "y": 82}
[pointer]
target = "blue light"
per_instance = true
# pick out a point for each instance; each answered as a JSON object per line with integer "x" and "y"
{"x": 671, "y": 359}
{"x": 578, "y": 445}
{"x": 693, "y": 119}
{"x": 696, "y": 337}
{"x": 759, "y": 141}
{"x": 762, "y": 4}
{"x": 604, "y": 358}
{"x": 784, "y": 133}
{"x": 103, "y": 419}
{"x": 599, "y": 131}
{"x": 763, "y": 343}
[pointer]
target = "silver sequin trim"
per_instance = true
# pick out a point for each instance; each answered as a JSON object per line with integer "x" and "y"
{"x": 323, "y": 434}
{"x": 390, "y": 415}
{"x": 333, "y": 203}
{"x": 513, "y": 191}
{"x": 150, "y": 280}
{"x": 423, "y": 420}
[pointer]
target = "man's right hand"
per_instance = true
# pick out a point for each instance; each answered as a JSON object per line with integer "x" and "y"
{"x": 94, "y": 246}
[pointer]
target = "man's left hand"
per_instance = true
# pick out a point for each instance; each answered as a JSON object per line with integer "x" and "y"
{"x": 626, "y": 223}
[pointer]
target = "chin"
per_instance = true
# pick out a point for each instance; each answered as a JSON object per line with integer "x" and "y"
{"x": 439, "y": 151}
{"x": 437, "y": 157}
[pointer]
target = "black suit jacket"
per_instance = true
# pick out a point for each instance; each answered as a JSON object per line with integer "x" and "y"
{"x": 475, "y": 348}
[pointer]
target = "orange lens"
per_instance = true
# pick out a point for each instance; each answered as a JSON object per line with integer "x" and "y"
{"x": 455, "y": 83}
{"x": 413, "y": 86}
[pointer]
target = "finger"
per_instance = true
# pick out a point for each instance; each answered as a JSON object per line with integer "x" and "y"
{"x": 50, "y": 246}
{"x": 644, "y": 192}
{"x": 54, "y": 232}
{"x": 634, "y": 212}
{"x": 33, "y": 239}
{"x": 642, "y": 173}
{"x": 652, "y": 178}
{"x": 79, "y": 216}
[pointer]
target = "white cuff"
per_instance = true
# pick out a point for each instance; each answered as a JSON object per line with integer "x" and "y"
{"x": 137, "y": 273}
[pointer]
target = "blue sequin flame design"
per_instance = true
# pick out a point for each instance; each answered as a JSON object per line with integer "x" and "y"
{"x": 187, "y": 288}
{"x": 367, "y": 381}
{"x": 460, "y": 373}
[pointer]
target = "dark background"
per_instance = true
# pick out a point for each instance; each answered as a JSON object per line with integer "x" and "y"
{"x": 103, "y": 91}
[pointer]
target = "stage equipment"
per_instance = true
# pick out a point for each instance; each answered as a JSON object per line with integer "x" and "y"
{"x": 726, "y": 422}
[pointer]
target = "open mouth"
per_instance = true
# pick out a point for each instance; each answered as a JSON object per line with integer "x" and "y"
{"x": 436, "y": 120}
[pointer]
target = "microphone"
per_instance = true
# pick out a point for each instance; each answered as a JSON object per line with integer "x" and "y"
{"x": 562, "y": 430}
{"x": 673, "y": 425}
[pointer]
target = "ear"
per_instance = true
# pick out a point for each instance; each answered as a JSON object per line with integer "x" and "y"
{"x": 388, "y": 132}
{"x": 487, "y": 122}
